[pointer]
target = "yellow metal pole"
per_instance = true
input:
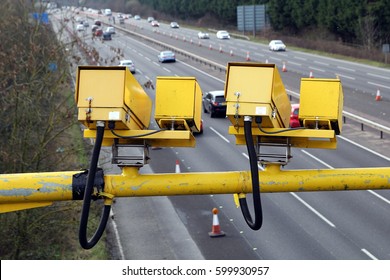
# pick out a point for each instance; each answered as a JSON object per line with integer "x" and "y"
{"x": 272, "y": 179}
{"x": 58, "y": 186}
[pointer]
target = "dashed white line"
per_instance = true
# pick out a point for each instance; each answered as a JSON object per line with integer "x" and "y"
{"x": 345, "y": 76}
{"x": 117, "y": 237}
{"x": 220, "y": 135}
{"x": 369, "y": 254}
{"x": 379, "y": 196}
{"x": 378, "y": 76}
{"x": 317, "y": 159}
{"x": 321, "y": 63}
{"x": 294, "y": 63}
{"x": 166, "y": 69}
{"x": 347, "y": 69}
{"x": 258, "y": 165}
{"x": 317, "y": 69}
{"x": 364, "y": 148}
{"x": 300, "y": 58}
{"x": 313, "y": 210}
{"x": 378, "y": 85}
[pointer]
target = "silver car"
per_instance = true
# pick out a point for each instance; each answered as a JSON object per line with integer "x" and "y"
{"x": 277, "y": 45}
{"x": 129, "y": 64}
{"x": 203, "y": 35}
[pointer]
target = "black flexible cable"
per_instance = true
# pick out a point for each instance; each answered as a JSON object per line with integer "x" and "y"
{"x": 88, "y": 195}
{"x": 258, "y": 221}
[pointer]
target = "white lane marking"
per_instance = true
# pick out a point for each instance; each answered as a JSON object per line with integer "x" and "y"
{"x": 345, "y": 68}
{"x": 379, "y": 196}
{"x": 317, "y": 69}
{"x": 313, "y": 210}
{"x": 369, "y": 254}
{"x": 155, "y": 63}
{"x": 259, "y": 165}
{"x": 345, "y": 76}
{"x": 259, "y": 54}
{"x": 300, "y": 58}
{"x": 220, "y": 135}
{"x": 378, "y": 76}
{"x": 295, "y": 63}
{"x": 117, "y": 237}
{"x": 364, "y": 148}
{"x": 317, "y": 159}
{"x": 276, "y": 58}
{"x": 378, "y": 85}
{"x": 204, "y": 73}
{"x": 166, "y": 69}
{"x": 321, "y": 63}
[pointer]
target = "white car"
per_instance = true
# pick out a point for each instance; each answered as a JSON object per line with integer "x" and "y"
{"x": 203, "y": 35}
{"x": 110, "y": 30}
{"x": 129, "y": 64}
{"x": 277, "y": 45}
{"x": 222, "y": 34}
{"x": 80, "y": 27}
{"x": 174, "y": 24}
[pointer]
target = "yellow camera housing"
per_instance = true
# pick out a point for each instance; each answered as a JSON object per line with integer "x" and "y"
{"x": 111, "y": 94}
{"x": 321, "y": 104}
{"x": 254, "y": 89}
{"x": 178, "y": 103}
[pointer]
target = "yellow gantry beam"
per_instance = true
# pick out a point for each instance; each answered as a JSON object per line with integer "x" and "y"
{"x": 28, "y": 190}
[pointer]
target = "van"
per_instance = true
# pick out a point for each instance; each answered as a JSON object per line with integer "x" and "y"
{"x": 107, "y": 12}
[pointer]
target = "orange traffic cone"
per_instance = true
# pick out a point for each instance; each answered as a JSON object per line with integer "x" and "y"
{"x": 311, "y": 74}
{"x": 284, "y": 69}
{"x": 177, "y": 167}
{"x": 378, "y": 96}
{"x": 216, "y": 229}
{"x": 247, "y": 56}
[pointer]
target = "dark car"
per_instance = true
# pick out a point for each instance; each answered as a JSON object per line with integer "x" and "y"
{"x": 166, "y": 56}
{"x": 106, "y": 36}
{"x": 214, "y": 103}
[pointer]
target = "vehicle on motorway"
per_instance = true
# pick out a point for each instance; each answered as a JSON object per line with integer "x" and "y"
{"x": 86, "y": 23}
{"x": 80, "y": 27}
{"x": 214, "y": 103}
{"x": 94, "y": 27}
{"x": 203, "y": 35}
{"x": 107, "y": 12}
{"x": 98, "y": 32}
{"x": 110, "y": 30}
{"x": 129, "y": 64}
{"x": 223, "y": 34}
{"x": 137, "y": 17}
{"x": 121, "y": 20}
{"x": 155, "y": 23}
{"x": 150, "y": 19}
{"x": 166, "y": 56}
{"x": 174, "y": 24}
{"x": 277, "y": 45}
{"x": 294, "y": 121}
{"x": 106, "y": 36}
{"x": 98, "y": 23}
